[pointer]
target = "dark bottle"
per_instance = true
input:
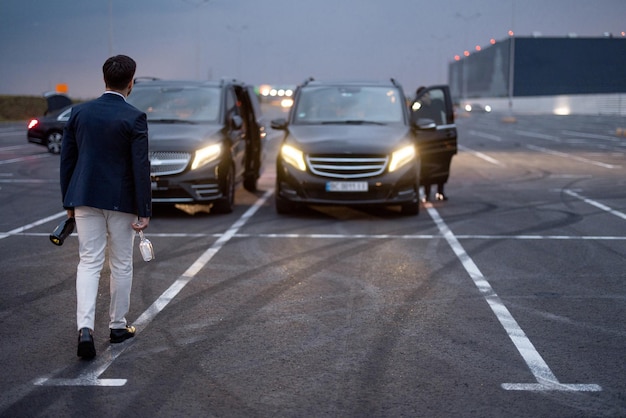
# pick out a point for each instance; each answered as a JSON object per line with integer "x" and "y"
{"x": 62, "y": 231}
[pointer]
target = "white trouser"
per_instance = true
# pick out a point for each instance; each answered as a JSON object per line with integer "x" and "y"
{"x": 94, "y": 226}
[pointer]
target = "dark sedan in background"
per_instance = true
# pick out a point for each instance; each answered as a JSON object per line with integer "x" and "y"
{"x": 47, "y": 130}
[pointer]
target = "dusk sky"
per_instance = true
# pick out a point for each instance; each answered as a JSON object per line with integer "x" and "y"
{"x": 45, "y": 43}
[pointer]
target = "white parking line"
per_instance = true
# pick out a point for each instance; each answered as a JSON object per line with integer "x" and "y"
{"x": 89, "y": 375}
{"x": 546, "y": 380}
{"x": 9, "y": 133}
{"x": 538, "y": 135}
{"x": 486, "y": 135}
{"x": 14, "y": 147}
{"x": 28, "y": 181}
{"x": 481, "y": 155}
{"x": 596, "y": 204}
{"x": 362, "y": 236}
{"x": 21, "y": 229}
{"x": 592, "y": 136}
{"x": 27, "y": 158}
{"x": 572, "y": 157}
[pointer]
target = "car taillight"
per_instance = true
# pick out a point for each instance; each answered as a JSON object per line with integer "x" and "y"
{"x": 32, "y": 123}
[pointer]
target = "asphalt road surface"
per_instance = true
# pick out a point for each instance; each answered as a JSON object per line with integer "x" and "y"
{"x": 509, "y": 299}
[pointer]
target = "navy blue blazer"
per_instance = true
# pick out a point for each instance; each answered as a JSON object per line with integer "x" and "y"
{"x": 104, "y": 157}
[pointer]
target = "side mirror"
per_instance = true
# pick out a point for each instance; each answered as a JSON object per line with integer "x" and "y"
{"x": 236, "y": 122}
{"x": 279, "y": 124}
{"x": 425, "y": 124}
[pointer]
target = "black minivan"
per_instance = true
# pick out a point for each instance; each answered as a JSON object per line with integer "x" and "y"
{"x": 205, "y": 138}
{"x": 356, "y": 144}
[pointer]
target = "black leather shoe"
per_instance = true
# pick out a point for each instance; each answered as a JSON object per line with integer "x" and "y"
{"x": 86, "y": 348}
{"x": 119, "y": 335}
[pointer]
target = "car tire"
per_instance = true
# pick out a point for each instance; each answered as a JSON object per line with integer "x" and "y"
{"x": 283, "y": 206}
{"x": 226, "y": 203}
{"x": 53, "y": 142}
{"x": 410, "y": 209}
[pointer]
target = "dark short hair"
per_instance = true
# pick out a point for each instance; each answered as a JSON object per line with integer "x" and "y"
{"x": 119, "y": 71}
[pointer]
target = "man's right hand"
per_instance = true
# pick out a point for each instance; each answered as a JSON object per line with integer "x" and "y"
{"x": 140, "y": 224}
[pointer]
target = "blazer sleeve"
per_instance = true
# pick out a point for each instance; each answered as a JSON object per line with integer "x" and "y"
{"x": 69, "y": 157}
{"x": 141, "y": 167}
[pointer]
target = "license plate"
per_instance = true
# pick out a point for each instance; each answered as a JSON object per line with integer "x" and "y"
{"x": 346, "y": 186}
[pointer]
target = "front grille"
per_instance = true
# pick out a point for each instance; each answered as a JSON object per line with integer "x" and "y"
{"x": 165, "y": 163}
{"x": 347, "y": 167}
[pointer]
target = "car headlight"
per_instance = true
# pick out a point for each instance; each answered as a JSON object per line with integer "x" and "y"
{"x": 293, "y": 156}
{"x": 206, "y": 155}
{"x": 401, "y": 157}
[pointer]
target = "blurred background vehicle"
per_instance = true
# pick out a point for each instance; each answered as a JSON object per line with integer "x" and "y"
{"x": 280, "y": 95}
{"x": 47, "y": 130}
{"x": 477, "y": 108}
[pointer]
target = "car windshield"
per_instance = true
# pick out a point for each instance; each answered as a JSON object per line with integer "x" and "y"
{"x": 348, "y": 104}
{"x": 177, "y": 104}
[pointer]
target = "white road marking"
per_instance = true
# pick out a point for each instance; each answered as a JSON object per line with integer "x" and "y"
{"x": 21, "y": 229}
{"x": 14, "y": 147}
{"x": 538, "y": 135}
{"x": 362, "y": 236}
{"x": 546, "y": 380}
{"x": 592, "y": 136}
{"x": 572, "y": 157}
{"x": 28, "y": 181}
{"x": 486, "y": 135}
{"x": 596, "y": 204}
{"x": 10, "y": 133}
{"x": 27, "y": 158}
{"x": 481, "y": 155}
{"x": 89, "y": 376}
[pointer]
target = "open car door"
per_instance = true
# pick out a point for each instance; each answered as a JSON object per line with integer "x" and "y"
{"x": 56, "y": 101}
{"x": 436, "y": 146}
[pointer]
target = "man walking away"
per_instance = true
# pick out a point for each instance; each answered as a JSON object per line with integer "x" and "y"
{"x": 105, "y": 186}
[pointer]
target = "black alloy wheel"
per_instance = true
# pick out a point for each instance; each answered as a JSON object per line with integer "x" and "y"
{"x": 53, "y": 141}
{"x": 227, "y": 203}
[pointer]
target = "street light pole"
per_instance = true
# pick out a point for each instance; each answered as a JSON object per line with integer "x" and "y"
{"x": 511, "y": 57}
{"x": 511, "y": 71}
{"x": 110, "y": 28}
{"x": 464, "y": 73}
